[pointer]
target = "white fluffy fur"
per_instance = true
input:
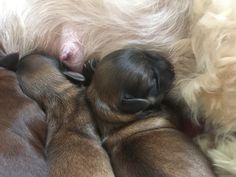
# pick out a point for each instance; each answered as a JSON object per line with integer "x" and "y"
{"x": 206, "y": 79}
{"x": 222, "y": 152}
{"x": 204, "y": 57}
{"x": 99, "y": 26}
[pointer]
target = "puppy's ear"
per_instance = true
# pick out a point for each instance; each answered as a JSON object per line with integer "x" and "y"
{"x": 10, "y": 61}
{"x": 133, "y": 105}
{"x": 73, "y": 76}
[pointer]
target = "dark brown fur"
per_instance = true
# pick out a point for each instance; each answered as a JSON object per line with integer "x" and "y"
{"x": 23, "y": 131}
{"x": 73, "y": 146}
{"x": 144, "y": 143}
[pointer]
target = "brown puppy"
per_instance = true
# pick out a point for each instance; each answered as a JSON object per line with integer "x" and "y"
{"x": 126, "y": 92}
{"x": 73, "y": 146}
{"x": 22, "y": 130}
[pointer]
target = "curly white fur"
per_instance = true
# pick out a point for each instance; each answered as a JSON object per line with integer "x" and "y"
{"x": 206, "y": 78}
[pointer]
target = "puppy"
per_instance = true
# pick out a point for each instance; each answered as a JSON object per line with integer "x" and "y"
{"x": 73, "y": 146}
{"x": 23, "y": 130}
{"x": 130, "y": 80}
{"x": 125, "y": 94}
{"x": 74, "y": 29}
{"x": 202, "y": 57}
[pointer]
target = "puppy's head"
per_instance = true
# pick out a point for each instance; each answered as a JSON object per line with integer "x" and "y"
{"x": 36, "y": 74}
{"x": 39, "y": 76}
{"x": 130, "y": 81}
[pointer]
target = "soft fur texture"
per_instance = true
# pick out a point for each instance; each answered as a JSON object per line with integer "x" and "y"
{"x": 73, "y": 144}
{"x": 23, "y": 130}
{"x": 140, "y": 137}
{"x": 74, "y": 29}
{"x": 204, "y": 61}
{"x": 206, "y": 79}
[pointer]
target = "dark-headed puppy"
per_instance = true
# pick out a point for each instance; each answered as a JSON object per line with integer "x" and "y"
{"x": 23, "y": 129}
{"x": 125, "y": 93}
{"x": 73, "y": 146}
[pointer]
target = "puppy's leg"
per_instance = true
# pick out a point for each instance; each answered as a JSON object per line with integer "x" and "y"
{"x": 163, "y": 152}
{"x": 72, "y": 155}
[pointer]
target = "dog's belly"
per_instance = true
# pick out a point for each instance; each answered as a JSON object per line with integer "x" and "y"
{"x": 75, "y": 30}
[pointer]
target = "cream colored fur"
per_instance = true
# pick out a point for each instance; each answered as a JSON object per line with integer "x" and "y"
{"x": 97, "y": 26}
{"x": 205, "y": 65}
{"x": 204, "y": 55}
{"x": 221, "y": 150}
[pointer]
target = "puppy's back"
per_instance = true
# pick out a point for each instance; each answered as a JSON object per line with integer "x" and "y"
{"x": 22, "y": 131}
{"x": 159, "y": 153}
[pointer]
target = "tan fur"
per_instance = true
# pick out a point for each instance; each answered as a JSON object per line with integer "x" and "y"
{"x": 147, "y": 145}
{"x": 204, "y": 61}
{"x": 206, "y": 80}
{"x": 73, "y": 144}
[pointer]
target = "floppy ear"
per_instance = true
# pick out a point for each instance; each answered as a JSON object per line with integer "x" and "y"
{"x": 10, "y": 61}
{"x": 74, "y": 76}
{"x": 133, "y": 105}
